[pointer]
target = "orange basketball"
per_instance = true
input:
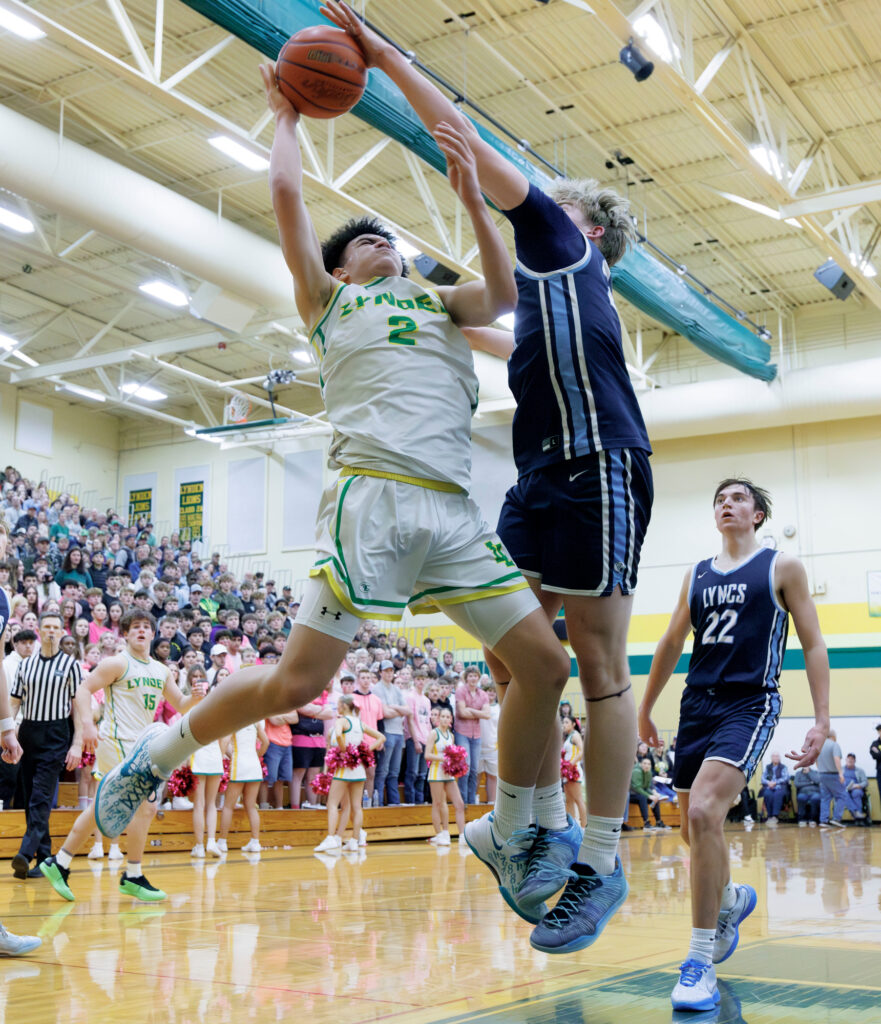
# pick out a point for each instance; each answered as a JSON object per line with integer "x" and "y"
{"x": 321, "y": 71}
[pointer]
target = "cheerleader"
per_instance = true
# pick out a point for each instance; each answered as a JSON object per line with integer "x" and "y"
{"x": 207, "y": 768}
{"x": 573, "y": 752}
{"x": 443, "y": 786}
{"x": 347, "y": 786}
{"x": 245, "y": 777}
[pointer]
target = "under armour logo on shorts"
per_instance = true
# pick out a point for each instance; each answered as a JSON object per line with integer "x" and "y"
{"x": 326, "y": 611}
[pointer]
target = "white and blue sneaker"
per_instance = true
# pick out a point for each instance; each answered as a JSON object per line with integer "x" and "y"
{"x": 17, "y": 945}
{"x": 508, "y": 859}
{"x": 728, "y": 925}
{"x": 588, "y": 902}
{"x": 548, "y": 868}
{"x": 696, "y": 988}
{"x": 125, "y": 787}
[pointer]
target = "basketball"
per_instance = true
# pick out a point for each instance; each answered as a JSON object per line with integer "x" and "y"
{"x": 321, "y": 71}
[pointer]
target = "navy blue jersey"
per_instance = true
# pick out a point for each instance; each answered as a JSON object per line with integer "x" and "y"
{"x": 567, "y": 370}
{"x": 739, "y": 625}
{"x": 4, "y": 613}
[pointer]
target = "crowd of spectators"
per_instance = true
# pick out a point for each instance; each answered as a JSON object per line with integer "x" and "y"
{"x": 92, "y": 566}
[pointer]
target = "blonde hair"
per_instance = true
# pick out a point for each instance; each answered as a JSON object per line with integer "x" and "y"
{"x": 349, "y": 702}
{"x": 604, "y": 208}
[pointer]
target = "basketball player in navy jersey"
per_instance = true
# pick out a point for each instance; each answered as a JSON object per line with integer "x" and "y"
{"x": 737, "y": 604}
{"x": 10, "y": 945}
{"x": 574, "y": 523}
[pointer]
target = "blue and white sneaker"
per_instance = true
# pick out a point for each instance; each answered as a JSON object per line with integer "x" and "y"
{"x": 696, "y": 988}
{"x": 125, "y": 787}
{"x": 17, "y": 945}
{"x": 728, "y": 925}
{"x": 588, "y": 902}
{"x": 508, "y": 860}
{"x": 548, "y": 868}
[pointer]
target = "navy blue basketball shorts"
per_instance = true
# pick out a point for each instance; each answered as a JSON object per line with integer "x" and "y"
{"x": 723, "y": 725}
{"x": 578, "y": 526}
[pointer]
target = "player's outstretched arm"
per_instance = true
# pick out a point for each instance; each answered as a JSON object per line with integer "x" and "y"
{"x": 490, "y": 339}
{"x": 499, "y": 178}
{"x": 175, "y": 696}
{"x": 478, "y": 302}
{"x": 791, "y": 581}
{"x": 313, "y": 286}
{"x": 667, "y": 653}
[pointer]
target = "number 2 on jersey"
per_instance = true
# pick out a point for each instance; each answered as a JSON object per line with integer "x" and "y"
{"x": 728, "y": 619}
{"x": 399, "y": 328}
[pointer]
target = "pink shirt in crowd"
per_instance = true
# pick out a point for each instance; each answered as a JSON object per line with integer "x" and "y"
{"x": 370, "y": 707}
{"x": 421, "y": 708}
{"x": 475, "y": 699}
{"x": 316, "y": 739}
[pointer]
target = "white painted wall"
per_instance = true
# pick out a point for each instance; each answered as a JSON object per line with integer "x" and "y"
{"x": 74, "y": 447}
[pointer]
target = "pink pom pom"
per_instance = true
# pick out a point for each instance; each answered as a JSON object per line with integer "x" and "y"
{"x": 224, "y": 779}
{"x": 181, "y": 781}
{"x": 333, "y": 759}
{"x": 455, "y": 761}
{"x": 87, "y": 760}
{"x": 365, "y": 755}
{"x": 351, "y": 756}
{"x": 568, "y": 770}
{"x": 321, "y": 783}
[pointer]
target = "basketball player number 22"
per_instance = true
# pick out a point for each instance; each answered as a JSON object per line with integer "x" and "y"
{"x": 399, "y": 329}
{"x": 727, "y": 619}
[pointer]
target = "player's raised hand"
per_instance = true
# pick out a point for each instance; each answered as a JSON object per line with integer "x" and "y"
{"x": 373, "y": 45}
{"x": 811, "y": 748}
{"x": 461, "y": 165}
{"x": 275, "y": 100}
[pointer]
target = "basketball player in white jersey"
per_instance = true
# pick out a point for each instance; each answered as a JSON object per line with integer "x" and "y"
{"x": 737, "y": 604}
{"x": 133, "y": 684}
{"x": 397, "y": 529}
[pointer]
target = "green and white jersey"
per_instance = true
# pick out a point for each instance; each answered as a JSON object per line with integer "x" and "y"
{"x": 398, "y": 382}
{"x": 131, "y": 702}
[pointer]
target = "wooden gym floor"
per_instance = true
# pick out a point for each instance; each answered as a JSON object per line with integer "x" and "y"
{"x": 408, "y": 934}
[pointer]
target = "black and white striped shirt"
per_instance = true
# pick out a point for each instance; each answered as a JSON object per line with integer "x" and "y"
{"x": 46, "y": 686}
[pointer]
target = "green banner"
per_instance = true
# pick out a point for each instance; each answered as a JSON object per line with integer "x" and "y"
{"x": 140, "y": 505}
{"x": 192, "y": 504}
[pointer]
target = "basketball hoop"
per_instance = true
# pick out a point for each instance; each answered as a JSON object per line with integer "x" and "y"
{"x": 238, "y": 408}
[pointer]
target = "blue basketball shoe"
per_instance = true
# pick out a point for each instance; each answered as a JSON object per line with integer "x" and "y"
{"x": 508, "y": 860}
{"x": 548, "y": 868}
{"x": 728, "y": 924}
{"x": 125, "y": 787}
{"x": 588, "y": 902}
{"x": 696, "y": 988}
{"x": 17, "y": 945}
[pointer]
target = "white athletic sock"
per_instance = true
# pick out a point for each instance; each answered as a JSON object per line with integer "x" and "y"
{"x": 172, "y": 747}
{"x": 513, "y": 809}
{"x": 600, "y": 843}
{"x": 550, "y": 808}
{"x": 701, "y": 948}
{"x": 729, "y": 895}
{"x": 133, "y": 869}
{"x": 63, "y": 858}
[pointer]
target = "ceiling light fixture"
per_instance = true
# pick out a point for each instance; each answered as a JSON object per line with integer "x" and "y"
{"x": 95, "y": 396}
{"x": 864, "y": 267}
{"x": 165, "y": 292}
{"x": 15, "y": 222}
{"x": 651, "y": 30}
{"x": 301, "y": 355}
{"x": 632, "y": 59}
{"x": 26, "y": 29}
{"x": 26, "y": 359}
{"x": 407, "y": 250}
{"x": 241, "y": 154}
{"x": 137, "y": 390}
{"x": 506, "y": 321}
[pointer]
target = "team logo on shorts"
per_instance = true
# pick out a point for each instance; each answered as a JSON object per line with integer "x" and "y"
{"x": 364, "y": 588}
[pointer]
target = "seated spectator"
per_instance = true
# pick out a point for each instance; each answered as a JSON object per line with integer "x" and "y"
{"x": 807, "y": 796}
{"x": 855, "y": 782}
{"x": 642, "y": 793}
{"x": 72, "y": 570}
{"x": 775, "y": 787}
{"x": 99, "y": 623}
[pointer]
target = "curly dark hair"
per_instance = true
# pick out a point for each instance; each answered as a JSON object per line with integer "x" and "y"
{"x": 332, "y": 249}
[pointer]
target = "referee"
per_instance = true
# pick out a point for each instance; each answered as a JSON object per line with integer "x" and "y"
{"x": 44, "y": 687}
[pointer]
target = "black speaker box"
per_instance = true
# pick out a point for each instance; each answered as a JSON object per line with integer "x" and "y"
{"x": 831, "y": 276}
{"x": 433, "y": 271}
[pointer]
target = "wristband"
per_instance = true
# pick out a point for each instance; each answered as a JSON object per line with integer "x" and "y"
{"x": 7, "y": 724}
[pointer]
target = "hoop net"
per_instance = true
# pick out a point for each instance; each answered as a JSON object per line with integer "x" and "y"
{"x": 238, "y": 408}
